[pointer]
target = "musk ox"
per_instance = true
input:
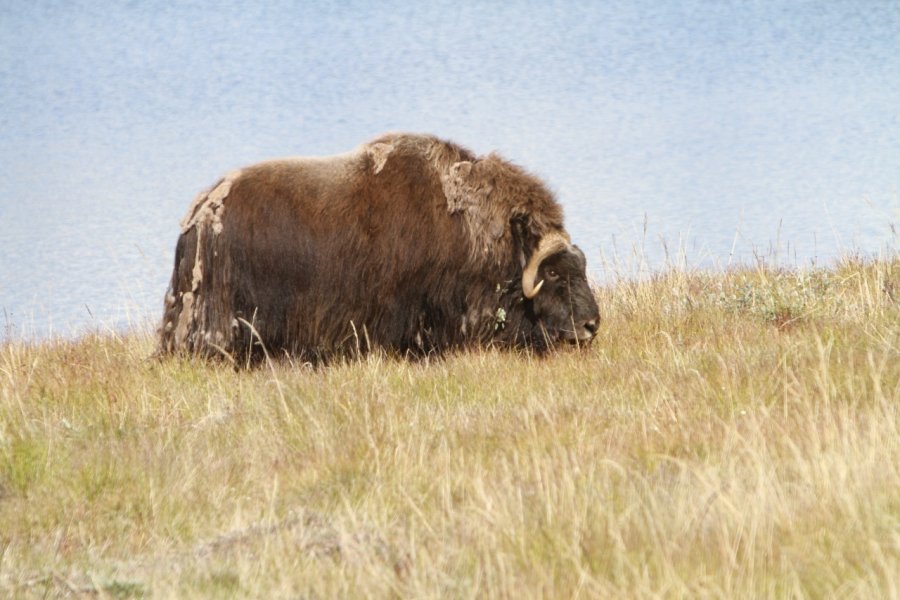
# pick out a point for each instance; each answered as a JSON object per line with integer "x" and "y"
{"x": 408, "y": 243}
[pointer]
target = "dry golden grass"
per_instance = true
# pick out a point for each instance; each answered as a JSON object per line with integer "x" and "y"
{"x": 726, "y": 435}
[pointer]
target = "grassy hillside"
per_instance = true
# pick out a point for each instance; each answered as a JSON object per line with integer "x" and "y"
{"x": 727, "y": 435}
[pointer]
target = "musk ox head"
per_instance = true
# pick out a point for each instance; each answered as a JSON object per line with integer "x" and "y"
{"x": 555, "y": 281}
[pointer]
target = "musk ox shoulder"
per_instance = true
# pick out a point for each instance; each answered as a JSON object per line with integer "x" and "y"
{"x": 408, "y": 243}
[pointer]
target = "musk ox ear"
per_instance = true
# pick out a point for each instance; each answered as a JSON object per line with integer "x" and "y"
{"x": 379, "y": 154}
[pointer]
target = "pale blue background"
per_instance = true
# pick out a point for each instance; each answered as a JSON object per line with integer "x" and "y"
{"x": 770, "y": 128}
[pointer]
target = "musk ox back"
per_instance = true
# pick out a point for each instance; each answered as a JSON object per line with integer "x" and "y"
{"x": 407, "y": 243}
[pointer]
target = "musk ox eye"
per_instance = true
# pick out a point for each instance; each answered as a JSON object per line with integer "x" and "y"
{"x": 552, "y": 275}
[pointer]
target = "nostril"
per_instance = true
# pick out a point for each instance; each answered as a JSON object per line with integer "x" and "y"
{"x": 591, "y": 326}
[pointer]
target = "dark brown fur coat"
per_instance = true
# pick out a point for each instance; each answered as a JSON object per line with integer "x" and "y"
{"x": 408, "y": 243}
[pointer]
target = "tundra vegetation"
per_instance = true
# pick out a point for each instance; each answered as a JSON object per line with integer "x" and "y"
{"x": 729, "y": 434}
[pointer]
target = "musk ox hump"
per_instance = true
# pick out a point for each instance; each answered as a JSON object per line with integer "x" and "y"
{"x": 468, "y": 196}
{"x": 490, "y": 192}
{"x": 464, "y": 193}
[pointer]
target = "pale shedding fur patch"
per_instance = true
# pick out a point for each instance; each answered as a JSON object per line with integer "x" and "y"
{"x": 205, "y": 214}
{"x": 197, "y": 271}
{"x": 379, "y": 154}
{"x": 184, "y": 319}
{"x": 471, "y": 200}
{"x": 188, "y": 312}
{"x": 208, "y": 207}
{"x": 456, "y": 189}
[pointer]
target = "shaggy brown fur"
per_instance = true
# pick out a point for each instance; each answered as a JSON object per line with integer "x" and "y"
{"x": 408, "y": 243}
